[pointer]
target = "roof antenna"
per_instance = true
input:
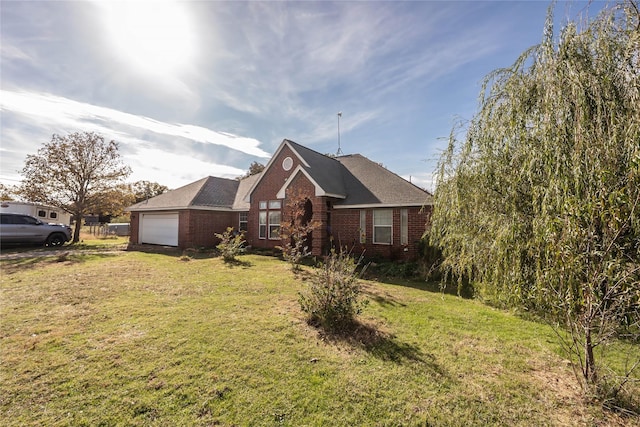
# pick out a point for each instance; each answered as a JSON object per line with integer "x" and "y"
{"x": 339, "y": 152}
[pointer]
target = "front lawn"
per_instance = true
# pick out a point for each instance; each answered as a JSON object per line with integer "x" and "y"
{"x": 130, "y": 338}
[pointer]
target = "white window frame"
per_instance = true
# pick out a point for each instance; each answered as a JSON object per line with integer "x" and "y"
{"x": 378, "y": 224}
{"x": 243, "y": 219}
{"x": 262, "y": 225}
{"x": 274, "y": 225}
{"x": 363, "y": 226}
{"x": 263, "y": 205}
{"x": 275, "y": 204}
{"x": 404, "y": 226}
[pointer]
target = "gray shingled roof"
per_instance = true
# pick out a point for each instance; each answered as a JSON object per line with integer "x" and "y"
{"x": 368, "y": 183}
{"x": 354, "y": 179}
{"x": 239, "y": 203}
{"x": 326, "y": 171}
{"x": 209, "y": 192}
{"x": 359, "y": 180}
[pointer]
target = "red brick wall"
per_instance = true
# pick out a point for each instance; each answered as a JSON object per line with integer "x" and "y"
{"x": 197, "y": 228}
{"x": 321, "y": 208}
{"x": 266, "y": 190}
{"x": 346, "y": 225}
{"x": 134, "y": 227}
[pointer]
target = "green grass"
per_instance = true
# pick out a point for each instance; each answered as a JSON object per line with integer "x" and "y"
{"x": 87, "y": 241}
{"x": 99, "y": 242}
{"x": 165, "y": 340}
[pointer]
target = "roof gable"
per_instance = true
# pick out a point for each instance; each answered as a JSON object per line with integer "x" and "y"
{"x": 319, "y": 190}
{"x": 353, "y": 178}
{"x": 322, "y": 170}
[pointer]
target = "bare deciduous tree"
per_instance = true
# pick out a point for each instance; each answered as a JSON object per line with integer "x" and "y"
{"x": 295, "y": 229}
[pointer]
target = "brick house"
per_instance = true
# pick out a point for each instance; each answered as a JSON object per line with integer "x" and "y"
{"x": 356, "y": 203}
{"x": 189, "y": 216}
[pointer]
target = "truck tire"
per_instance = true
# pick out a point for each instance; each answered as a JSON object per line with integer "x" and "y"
{"x": 56, "y": 239}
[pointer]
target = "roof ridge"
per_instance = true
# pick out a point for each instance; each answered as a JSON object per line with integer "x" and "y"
{"x": 310, "y": 149}
{"x": 205, "y": 181}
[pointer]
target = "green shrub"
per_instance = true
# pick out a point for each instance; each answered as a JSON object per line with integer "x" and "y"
{"x": 404, "y": 270}
{"x": 332, "y": 299}
{"x": 231, "y": 244}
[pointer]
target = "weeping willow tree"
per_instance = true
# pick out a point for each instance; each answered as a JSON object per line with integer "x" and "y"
{"x": 538, "y": 201}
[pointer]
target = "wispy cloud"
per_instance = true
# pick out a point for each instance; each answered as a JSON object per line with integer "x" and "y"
{"x": 292, "y": 62}
{"x": 397, "y": 70}
{"x": 151, "y": 164}
{"x": 67, "y": 111}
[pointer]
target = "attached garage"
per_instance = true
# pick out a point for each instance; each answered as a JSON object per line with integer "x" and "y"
{"x": 190, "y": 216}
{"x": 159, "y": 228}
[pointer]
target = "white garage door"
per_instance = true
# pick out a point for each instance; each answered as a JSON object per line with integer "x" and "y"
{"x": 159, "y": 229}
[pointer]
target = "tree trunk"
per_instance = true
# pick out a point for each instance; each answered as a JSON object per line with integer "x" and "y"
{"x": 76, "y": 230}
{"x": 589, "y": 360}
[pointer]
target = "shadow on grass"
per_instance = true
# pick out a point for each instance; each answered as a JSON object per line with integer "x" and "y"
{"x": 625, "y": 404}
{"x": 384, "y": 299}
{"x": 14, "y": 265}
{"x": 238, "y": 263}
{"x": 379, "y": 344}
{"x": 449, "y": 288}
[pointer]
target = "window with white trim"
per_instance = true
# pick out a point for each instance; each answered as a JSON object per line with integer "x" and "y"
{"x": 383, "y": 226}
{"x": 262, "y": 225}
{"x": 269, "y": 219}
{"x": 363, "y": 226}
{"x": 274, "y": 225}
{"x": 275, "y": 204}
{"x": 243, "y": 221}
{"x": 404, "y": 226}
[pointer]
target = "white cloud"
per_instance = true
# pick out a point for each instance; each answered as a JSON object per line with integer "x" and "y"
{"x": 157, "y": 165}
{"x": 297, "y": 62}
{"x": 79, "y": 115}
{"x": 12, "y": 53}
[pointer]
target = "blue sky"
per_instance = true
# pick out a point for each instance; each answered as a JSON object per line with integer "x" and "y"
{"x": 191, "y": 89}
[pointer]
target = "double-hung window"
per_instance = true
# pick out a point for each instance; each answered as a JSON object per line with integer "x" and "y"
{"x": 274, "y": 225}
{"x": 262, "y": 224}
{"x": 383, "y": 226}
{"x": 243, "y": 221}
{"x": 269, "y": 219}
